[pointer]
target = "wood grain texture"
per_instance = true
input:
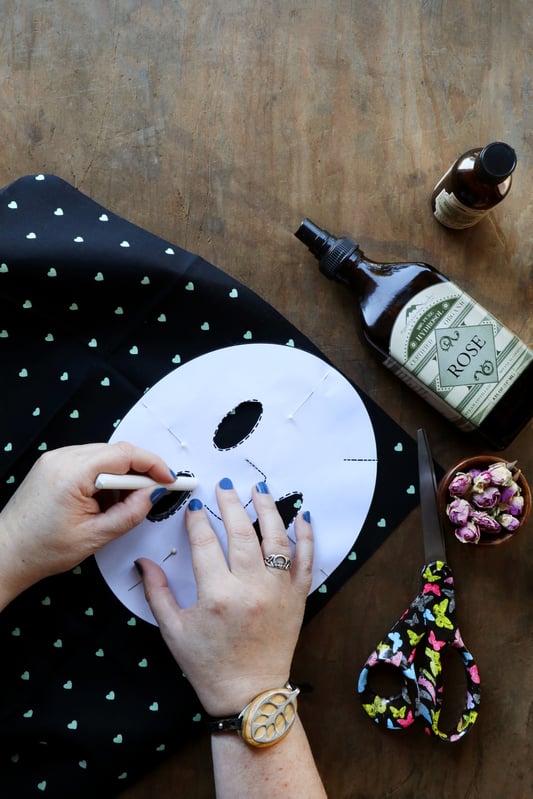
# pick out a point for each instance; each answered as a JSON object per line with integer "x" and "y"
{"x": 219, "y": 126}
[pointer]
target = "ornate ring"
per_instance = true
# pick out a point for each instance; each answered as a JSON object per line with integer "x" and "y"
{"x": 278, "y": 562}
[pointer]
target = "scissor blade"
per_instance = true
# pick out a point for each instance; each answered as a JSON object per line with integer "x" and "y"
{"x": 434, "y": 547}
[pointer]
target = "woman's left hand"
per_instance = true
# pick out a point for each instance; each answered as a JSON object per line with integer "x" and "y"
{"x": 238, "y": 639}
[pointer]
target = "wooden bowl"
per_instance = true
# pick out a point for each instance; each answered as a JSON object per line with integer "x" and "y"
{"x": 481, "y": 462}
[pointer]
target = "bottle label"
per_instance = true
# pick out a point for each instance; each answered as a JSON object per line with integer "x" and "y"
{"x": 452, "y": 351}
{"x": 452, "y": 213}
{"x": 429, "y": 396}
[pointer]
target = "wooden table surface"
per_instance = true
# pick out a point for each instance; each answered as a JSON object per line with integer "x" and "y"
{"x": 219, "y": 126}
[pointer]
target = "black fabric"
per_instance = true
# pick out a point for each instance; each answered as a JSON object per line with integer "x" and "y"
{"x": 93, "y": 311}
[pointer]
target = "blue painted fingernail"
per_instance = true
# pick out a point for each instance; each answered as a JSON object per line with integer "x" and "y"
{"x": 158, "y": 494}
{"x": 262, "y": 488}
{"x": 226, "y": 483}
{"x": 307, "y": 516}
{"x": 138, "y": 567}
{"x": 195, "y": 504}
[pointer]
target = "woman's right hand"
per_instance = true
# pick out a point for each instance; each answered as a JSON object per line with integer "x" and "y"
{"x": 57, "y": 517}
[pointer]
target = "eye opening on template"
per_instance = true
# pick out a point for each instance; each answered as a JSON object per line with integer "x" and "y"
{"x": 238, "y": 424}
{"x": 170, "y": 503}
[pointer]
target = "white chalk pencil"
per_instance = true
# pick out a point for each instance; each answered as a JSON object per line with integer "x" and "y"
{"x": 129, "y": 482}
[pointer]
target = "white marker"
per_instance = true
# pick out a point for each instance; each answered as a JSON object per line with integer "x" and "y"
{"x": 129, "y": 482}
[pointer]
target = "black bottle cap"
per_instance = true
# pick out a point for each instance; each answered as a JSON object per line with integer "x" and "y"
{"x": 329, "y": 250}
{"x": 495, "y": 162}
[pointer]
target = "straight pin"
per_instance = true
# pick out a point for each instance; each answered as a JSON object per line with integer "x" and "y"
{"x": 172, "y": 552}
{"x": 183, "y": 444}
{"x": 292, "y": 415}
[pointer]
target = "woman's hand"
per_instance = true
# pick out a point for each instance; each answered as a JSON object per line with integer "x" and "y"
{"x": 57, "y": 517}
{"x": 238, "y": 639}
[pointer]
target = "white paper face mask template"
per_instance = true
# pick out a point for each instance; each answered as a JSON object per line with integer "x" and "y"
{"x": 310, "y": 438}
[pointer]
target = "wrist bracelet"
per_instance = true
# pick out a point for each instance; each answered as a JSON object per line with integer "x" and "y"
{"x": 265, "y": 720}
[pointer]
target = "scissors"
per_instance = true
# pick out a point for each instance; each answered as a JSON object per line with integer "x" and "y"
{"x": 426, "y": 628}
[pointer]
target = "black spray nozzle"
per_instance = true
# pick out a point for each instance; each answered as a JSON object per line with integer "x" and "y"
{"x": 317, "y": 240}
{"x": 329, "y": 250}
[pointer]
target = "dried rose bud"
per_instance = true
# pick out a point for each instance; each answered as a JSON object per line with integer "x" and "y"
{"x": 468, "y": 534}
{"x": 488, "y": 498}
{"x": 511, "y": 523}
{"x": 500, "y": 474}
{"x": 460, "y": 485}
{"x": 458, "y": 511}
{"x": 516, "y": 505}
{"x": 482, "y": 481}
{"x": 508, "y": 492}
{"x": 485, "y": 522}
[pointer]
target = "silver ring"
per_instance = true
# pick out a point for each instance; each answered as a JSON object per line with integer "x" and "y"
{"x": 278, "y": 562}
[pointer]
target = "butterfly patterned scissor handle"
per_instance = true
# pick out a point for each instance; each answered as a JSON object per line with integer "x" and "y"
{"x": 429, "y": 622}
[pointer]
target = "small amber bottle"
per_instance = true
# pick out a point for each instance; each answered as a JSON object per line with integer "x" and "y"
{"x": 434, "y": 337}
{"x": 477, "y": 181}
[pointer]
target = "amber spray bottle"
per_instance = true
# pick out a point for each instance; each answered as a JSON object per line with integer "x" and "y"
{"x": 435, "y": 337}
{"x": 477, "y": 181}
